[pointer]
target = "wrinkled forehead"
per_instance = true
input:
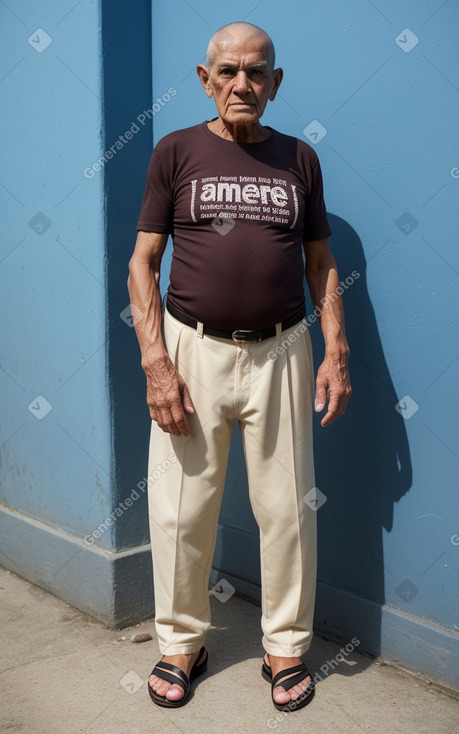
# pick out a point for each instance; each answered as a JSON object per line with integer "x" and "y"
{"x": 226, "y": 46}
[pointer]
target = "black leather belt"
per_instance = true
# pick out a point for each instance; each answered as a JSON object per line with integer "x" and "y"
{"x": 239, "y": 335}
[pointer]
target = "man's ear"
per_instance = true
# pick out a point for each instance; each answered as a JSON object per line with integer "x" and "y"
{"x": 277, "y": 78}
{"x": 203, "y": 74}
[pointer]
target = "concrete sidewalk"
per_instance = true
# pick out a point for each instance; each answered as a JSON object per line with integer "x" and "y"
{"x": 63, "y": 672}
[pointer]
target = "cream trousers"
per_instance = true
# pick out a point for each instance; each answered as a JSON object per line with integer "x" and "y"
{"x": 268, "y": 388}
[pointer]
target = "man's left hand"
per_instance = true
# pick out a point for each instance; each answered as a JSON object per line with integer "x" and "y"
{"x": 332, "y": 386}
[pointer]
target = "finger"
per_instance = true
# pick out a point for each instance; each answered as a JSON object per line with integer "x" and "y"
{"x": 328, "y": 418}
{"x": 186, "y": 400}
{"x": 336, "y": 408}
{"x": 183, "y": 427}
{"x": 321, "y": 396}
{"x": 179, "y": 418}
{"x": 168, "y": 425}
{"x": 151, "y": 408}
{"x": 168, "y": 420}
{"x": 171, "y": 419}
{"x": 151, "y": 405}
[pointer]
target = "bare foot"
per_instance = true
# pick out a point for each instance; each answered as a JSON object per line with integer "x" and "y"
{"x": 172, "y": 691}
{"x": 277, "y": 664}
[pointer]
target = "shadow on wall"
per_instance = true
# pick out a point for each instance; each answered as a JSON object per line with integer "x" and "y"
{"x": 362, "y": 461}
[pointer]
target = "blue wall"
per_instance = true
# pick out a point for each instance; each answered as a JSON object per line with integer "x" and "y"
{"x": 388, "y": 562}
{"x": 72, "y": 85}
{"x": 55, "y": 467}
{"x": 388, "y": 552}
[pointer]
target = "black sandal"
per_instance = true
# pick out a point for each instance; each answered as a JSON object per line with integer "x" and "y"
{"x": 179, "y": 677}
{"x": 301, "y": 673}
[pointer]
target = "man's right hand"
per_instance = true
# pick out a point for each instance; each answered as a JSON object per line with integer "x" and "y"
{"x": 167, "y": 396}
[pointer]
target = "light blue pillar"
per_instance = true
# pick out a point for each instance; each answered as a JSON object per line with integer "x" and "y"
{"x": 73, "y": 513}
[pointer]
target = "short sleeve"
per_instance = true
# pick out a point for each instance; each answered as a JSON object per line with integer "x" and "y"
{"x": 156, "y": 212}
{"x": 316, "y": 226}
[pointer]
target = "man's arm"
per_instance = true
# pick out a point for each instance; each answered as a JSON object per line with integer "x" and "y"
{"x": 167, "y": 395}
{"x": 332, "y": 382}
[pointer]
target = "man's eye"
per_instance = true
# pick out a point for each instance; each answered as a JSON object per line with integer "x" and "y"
{"x": 226, "y": 72}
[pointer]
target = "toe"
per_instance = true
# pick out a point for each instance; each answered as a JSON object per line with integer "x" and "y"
{"x": 159, "y": 686}
{"x": 175, "y": 693}
{"x": 300, "y": 688}
{"x": 297, "y": 690}
{"x": 162, "y": 687}
{"x": 153, "y": 681}
{"x": 280, "y": 695}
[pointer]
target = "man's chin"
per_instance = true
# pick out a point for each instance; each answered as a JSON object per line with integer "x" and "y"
{"x": 242, "y": 116}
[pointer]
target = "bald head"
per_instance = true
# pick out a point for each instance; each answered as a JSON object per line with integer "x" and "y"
{"x": 236, "y": 33}
{"x": 241, "y": 77}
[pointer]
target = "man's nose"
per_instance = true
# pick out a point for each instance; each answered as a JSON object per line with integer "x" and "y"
{"x": 241, "y": 83}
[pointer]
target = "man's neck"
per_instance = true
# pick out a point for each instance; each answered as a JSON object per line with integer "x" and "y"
{"x": 253, "y": 133}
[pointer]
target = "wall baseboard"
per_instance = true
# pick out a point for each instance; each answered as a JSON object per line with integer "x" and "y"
{"x": 395, "y": 634}
{"x": 400, "y": 637}
{"x": 115, "y": 588}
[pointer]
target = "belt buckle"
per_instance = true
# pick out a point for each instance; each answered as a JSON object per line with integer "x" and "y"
{"x": 240, "y": 335}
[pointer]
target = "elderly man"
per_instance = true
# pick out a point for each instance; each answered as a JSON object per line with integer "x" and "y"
{"x": 241, "y": 201}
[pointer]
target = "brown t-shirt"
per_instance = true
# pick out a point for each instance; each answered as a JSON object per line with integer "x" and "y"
{"x": 238, "y": 214}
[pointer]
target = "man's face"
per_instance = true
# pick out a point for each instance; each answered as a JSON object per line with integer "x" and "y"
{"x": 241, "y": 79}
